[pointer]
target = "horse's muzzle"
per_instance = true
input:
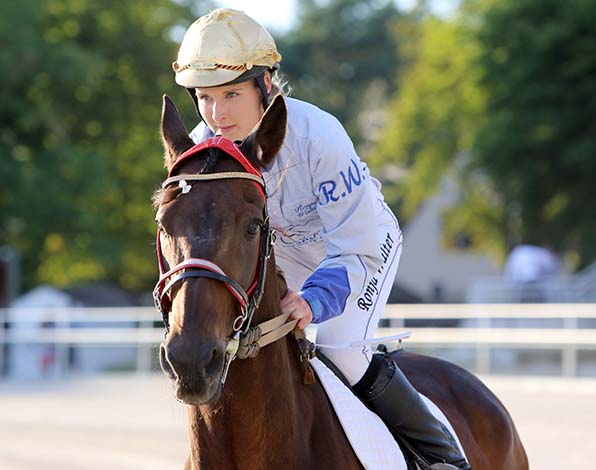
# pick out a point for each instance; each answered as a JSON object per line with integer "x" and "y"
{"x": 194, "y": 368}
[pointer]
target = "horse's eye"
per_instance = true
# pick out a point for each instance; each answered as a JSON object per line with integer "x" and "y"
{"x": 253, "y": 228}
{"x": 162, "y": 231}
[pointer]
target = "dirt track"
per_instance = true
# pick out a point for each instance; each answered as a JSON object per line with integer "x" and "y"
{"x": 132, "y": 423}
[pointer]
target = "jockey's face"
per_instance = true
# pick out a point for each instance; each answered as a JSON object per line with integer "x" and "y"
{"x": 232, "y": 111}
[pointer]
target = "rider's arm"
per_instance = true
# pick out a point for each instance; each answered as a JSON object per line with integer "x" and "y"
{"x": 347, "y": 208}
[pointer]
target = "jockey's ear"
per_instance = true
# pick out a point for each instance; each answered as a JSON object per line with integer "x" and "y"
{"x": 173, "y": 133}
{"x": 267, "y": 137}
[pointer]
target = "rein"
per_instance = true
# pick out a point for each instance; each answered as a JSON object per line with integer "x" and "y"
{"x": 245, "y": 341}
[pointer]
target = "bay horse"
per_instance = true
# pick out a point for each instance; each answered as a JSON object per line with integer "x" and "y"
{"x": 219, "y": 279}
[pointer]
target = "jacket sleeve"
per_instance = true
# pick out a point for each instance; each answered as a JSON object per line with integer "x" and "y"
{"x": 347, "y": 208}
{"x": 200, "y": 133}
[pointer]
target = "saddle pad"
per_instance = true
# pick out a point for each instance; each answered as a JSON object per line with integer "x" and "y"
{"x": 372, "y": 442}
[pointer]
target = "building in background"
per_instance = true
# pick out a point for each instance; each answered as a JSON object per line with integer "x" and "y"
{"x": 430, "y": 272}
{"x": 40, "y": 311}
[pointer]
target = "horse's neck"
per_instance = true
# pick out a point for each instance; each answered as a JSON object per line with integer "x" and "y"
{"x": 259, "y": 408}
{"x": 257, "y": 416}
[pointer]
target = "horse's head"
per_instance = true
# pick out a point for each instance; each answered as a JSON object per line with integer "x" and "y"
{"x": 212, "y": 235}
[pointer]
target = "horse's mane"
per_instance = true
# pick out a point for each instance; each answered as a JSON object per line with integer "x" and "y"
{"x": 282, "y": 285}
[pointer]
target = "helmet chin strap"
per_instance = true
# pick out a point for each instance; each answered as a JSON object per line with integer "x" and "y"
{"x": 260, "y": 81}
{"x": 193, "y": 96}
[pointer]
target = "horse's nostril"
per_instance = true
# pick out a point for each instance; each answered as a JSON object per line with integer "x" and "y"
{"x": 165, "y": 361}
{"x": 215, "y": 362}
{"x": 163, "y": 353}
{"x": 215, "y": 354}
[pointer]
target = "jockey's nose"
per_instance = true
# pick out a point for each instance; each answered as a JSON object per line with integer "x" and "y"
{"x": 218, "y": 111}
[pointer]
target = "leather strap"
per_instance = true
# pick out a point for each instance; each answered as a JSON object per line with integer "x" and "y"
{"x": 212, "y": 176}
{"x": 277, "y": 332}
{"x": 263, "y": 334}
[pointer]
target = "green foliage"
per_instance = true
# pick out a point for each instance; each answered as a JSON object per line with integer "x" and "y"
{"x": 341, "y": 56}
{"x": 502, "y": 95}
{"x": 478, "y": 217}
{"x": 538, "y": 140}
{"x": 434, "y": 114}
{"x": 81, "y": 93}
{"x": 79, "y": 151}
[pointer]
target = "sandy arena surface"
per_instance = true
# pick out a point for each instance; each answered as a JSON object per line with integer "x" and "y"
{"x": 133, "y": 423}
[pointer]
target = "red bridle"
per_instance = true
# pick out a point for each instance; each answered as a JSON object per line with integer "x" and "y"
{"x": 229, "y": 147}
{"x": 248, "y": 299}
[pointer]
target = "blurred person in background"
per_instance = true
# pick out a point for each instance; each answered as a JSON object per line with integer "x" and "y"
{"x": 529, "y": 266}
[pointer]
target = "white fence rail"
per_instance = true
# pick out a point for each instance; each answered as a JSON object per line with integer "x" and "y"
{"x": 572, "y": 288}
{"x": 479, "y": 328}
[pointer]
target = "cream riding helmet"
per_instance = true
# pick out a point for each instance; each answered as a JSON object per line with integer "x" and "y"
{"x": 225, "y": 47}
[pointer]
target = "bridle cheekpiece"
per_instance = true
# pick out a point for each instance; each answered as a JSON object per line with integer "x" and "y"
{"x": 249, "y": 299}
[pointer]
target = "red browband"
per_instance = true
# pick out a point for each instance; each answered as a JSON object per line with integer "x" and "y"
{"x": 221, "y": 143}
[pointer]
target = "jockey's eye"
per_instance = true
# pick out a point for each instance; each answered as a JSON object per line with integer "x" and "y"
{"x": 253, "y": 228}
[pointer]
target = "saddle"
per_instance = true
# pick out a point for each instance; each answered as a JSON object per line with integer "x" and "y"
{"x": 413, "y": 460}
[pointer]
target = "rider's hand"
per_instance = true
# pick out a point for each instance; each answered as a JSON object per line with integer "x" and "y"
{"x": 298, "y": 308}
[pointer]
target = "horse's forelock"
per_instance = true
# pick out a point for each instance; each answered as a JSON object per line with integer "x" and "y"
{"x": 212, "y": 156}
{"x": 163, "y": 196}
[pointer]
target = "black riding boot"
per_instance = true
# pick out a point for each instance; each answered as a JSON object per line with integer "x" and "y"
{"x": 387, "y": 391}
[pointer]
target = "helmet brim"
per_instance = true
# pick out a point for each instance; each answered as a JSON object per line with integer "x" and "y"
{"x": 218, "y": 77}
{"x": 206, "y": 78}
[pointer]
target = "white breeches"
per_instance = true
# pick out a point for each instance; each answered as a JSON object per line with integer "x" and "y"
{"x": 360, "y": 317}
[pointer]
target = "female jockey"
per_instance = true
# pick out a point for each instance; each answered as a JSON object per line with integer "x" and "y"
{"x": 338, "y": 243}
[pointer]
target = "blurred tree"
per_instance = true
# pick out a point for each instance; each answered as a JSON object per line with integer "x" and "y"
{"x": 81, "y": 88}
{"x": 342, "y": 56}
{"x": 432, "y": 121}
{"x": 502, "y": 94}
{"x": 538, "y": 141}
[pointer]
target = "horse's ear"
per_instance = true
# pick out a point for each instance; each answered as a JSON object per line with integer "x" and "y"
{"x": 268, "y": 135}
{"x": 173, "y": 133}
